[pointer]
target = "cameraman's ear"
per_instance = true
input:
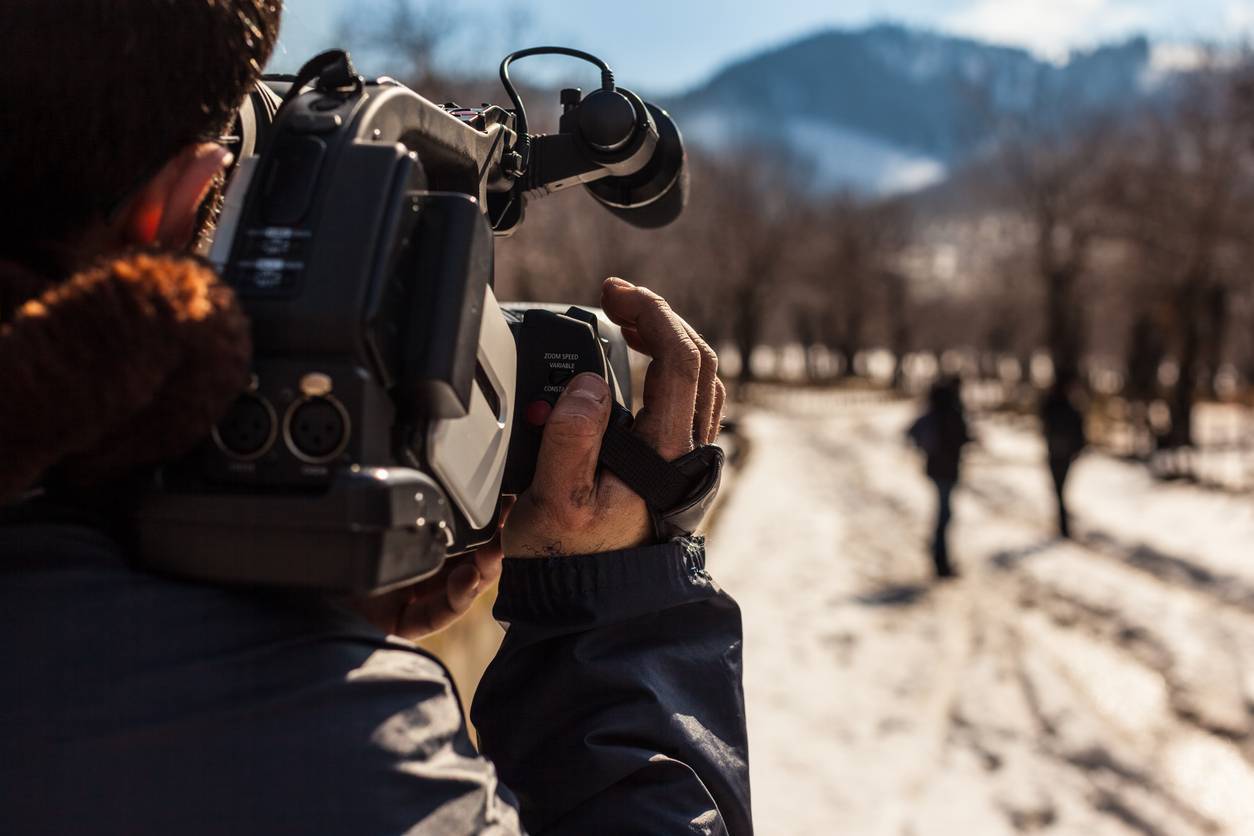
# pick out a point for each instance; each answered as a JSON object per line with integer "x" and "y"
{"x": 165, "y": 210}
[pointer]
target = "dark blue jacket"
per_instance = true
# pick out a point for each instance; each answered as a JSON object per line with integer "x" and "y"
{"x": 135, "y": 704}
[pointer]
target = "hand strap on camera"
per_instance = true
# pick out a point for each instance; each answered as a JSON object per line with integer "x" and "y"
{"x": 679, "y": 493}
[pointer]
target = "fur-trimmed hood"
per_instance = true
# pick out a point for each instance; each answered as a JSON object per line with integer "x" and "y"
{"x": 121, "y": 366}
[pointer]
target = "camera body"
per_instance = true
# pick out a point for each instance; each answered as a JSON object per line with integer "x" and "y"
{"x": 393, "y": 399}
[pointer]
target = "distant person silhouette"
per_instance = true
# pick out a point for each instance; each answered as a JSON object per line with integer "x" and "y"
{"x": 941, "y": 433}
{"x": 1063, "y": 426}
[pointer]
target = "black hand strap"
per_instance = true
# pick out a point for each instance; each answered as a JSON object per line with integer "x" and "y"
{"x": 677, "y": 493}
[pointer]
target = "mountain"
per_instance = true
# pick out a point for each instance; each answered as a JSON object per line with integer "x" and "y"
{"x": 889, "y": 109}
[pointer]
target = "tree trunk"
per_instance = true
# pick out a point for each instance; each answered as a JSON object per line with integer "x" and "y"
{"x": 1185, "y": 393}
{"x": 807, "y": 337}
{"x": 1145, "y": 356}
{"x": 899, "y": 327}
{"x": 1060, "y": 273}
{"x": 1216, "y": 330}
{"x": 1063, "y": 332}
{"x": 848, "y": 354}
{"x": 745, "y": 329}
{"x": 850, "y": 342}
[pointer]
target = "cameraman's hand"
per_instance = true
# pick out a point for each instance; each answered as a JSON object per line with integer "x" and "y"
{"x": 433, "y": 604}
{"x": 570, "y": 508}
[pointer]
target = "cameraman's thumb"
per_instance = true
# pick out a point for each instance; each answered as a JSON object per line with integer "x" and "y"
{"x": 567, "y": 464}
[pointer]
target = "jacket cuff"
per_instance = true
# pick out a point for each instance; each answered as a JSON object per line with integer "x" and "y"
{"x": 585, "y": 591}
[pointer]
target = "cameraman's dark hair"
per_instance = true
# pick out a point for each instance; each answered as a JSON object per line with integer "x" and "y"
{"x": 97, "y": 95}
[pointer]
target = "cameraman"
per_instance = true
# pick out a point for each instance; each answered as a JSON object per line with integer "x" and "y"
{"x": 137, "y": 704}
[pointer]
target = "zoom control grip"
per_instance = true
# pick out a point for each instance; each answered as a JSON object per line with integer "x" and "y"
{"x": 554, "y": 347}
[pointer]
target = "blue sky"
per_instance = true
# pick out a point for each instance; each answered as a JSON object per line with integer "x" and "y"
{"x": 667, "y": 45}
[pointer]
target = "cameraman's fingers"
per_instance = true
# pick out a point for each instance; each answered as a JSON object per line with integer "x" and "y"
{"x": 716, "y": 422}
{"x": 670, "y": 385}
{"x": 566, "y": 468}
{"x": 464, "y": 584}
{"x": 633, "y": 339}
{"x": 707, "y": 389}
{"x": 488, "y": 557}
{"x": 430, "y": 614}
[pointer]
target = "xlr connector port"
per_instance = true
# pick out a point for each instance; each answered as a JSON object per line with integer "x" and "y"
{"x": 317, "y": 429}
{"x": 248, "y": 430}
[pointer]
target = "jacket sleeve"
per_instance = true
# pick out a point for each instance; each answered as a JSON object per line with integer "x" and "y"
{"x": 615, "y": 704}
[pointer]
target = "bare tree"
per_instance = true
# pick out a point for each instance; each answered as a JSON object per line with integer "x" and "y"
{"x": 1055, "y": 175}
{"x": 409, "y": 33}
{"x": 1183, "y": 195}
{"x": 851, "y": 268}
{"x": 849, "y": 290}
{"x": 897, "y": 315}
{"x": 735, "y": 241}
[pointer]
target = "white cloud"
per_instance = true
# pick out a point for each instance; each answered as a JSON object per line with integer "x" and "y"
{"x": 1052, "y": 27}
{"x": 1239, "y": 16}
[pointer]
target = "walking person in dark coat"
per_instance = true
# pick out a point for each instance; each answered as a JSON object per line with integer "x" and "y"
{"x": 941, "y": 433}
{"x": 1064, "y": 440}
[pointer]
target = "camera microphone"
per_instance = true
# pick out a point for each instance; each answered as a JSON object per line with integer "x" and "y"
{"x": 628, "y": 153}
{"x": 656, "y": 194}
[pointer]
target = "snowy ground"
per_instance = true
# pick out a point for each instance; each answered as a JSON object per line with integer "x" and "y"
{"x": 1101, "y": 686}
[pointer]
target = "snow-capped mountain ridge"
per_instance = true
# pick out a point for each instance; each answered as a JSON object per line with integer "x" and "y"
{"x": 900, "y": 97}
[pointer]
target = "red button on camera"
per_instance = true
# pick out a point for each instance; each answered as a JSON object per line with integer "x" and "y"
{"x": 537, "y": 413}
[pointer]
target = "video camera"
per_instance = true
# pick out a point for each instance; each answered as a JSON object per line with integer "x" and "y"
{"x": 393, "y": 399}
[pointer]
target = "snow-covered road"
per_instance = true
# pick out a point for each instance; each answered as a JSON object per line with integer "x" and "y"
{"x": 1100, "y": 686}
